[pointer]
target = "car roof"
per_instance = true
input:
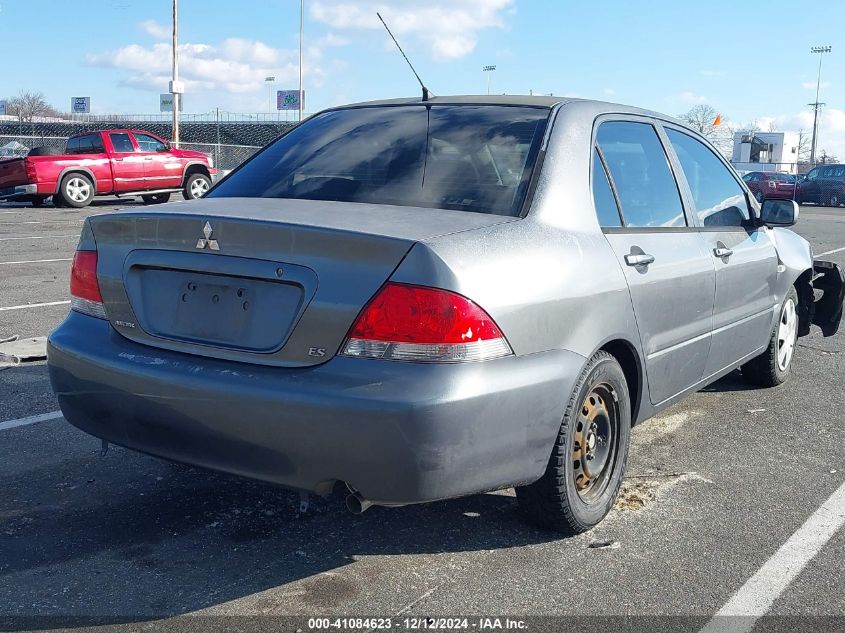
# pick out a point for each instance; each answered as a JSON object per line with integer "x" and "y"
{"x": 512, "y": 100}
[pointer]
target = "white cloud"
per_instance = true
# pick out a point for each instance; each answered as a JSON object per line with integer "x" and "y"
{"x": 811, "y": 85}
{"x": 692, "y": 98}
{"x": 156, "y": 30}
{"x": 234, "y": 66}
{"x": 449, "y": 29}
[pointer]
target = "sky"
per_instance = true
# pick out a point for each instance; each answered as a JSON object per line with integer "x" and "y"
{"x": 748, "y": 59}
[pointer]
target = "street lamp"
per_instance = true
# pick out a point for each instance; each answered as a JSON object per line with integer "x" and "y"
{"x": 489, "y": 70}
{"x": 177, "y": 88}
{"x": 821, "y": 50}
{"x": 270, "y": 81}
{"x": 301, "y": 36}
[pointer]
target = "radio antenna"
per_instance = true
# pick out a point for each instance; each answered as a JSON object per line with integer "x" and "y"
{"x": 425, "y": 91}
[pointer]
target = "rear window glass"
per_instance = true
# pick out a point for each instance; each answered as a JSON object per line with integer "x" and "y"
{"x": 468, "y": 158}
{"x": 86, "y": 144}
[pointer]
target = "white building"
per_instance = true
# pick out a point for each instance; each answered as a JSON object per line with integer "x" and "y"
{"x": 766, "y": 151}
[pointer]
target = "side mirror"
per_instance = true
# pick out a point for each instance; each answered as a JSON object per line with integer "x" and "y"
{"x": 779, "y": 212}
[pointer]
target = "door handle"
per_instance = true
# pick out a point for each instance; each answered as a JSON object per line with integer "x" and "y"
{"x": 148, "y": 157}
{"x": 118, "y": 160}
{"x": 722, "y": 252}
{"x": 643, "y": 259}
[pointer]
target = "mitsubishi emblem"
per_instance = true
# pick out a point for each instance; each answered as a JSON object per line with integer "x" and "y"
{"x": 207, "y": 241}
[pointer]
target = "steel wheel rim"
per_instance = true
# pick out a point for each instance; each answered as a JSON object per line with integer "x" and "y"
{"x": 596, "y": 443}
{"x": 77, "y": 189}
{"x": 198, "y": 187}
{"x": 834, "y": 200}
{"x": 759, "y": 196}
{"x": 787, "y": 331}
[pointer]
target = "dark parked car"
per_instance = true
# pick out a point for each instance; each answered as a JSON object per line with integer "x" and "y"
{"x": 766, "y": 185}
{"x": 824, "y": 184}
{"x": 427, "y": 299}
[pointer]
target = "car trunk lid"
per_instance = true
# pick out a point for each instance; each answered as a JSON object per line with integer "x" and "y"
{"x": 257, "y": 280}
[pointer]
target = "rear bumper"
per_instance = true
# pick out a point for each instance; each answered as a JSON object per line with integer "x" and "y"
{"x": 396, "y": 432}
{"x": 19, "y": 191}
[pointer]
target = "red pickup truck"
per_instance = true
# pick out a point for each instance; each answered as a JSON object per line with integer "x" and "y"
{"x": 113, "y": 163}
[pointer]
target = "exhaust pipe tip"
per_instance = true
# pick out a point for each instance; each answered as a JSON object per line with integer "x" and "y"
{"x": 357, "y": 504}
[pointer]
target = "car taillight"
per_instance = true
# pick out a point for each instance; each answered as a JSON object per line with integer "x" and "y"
{"x": 30, "y": 171}
{"x": 84, "y": 289}
{"x": 416, "y": 323}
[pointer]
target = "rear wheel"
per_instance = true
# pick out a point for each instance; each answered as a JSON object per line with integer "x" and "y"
{"x": 196, "y": 186}
{"x": 38, "y": 201}
{"x": 76, "y": 191}
{"x": 834, "y": 200}
{"x": 156, "y": 198}
{"x": 773, "y": 366}
{"x": 585, "y": 470}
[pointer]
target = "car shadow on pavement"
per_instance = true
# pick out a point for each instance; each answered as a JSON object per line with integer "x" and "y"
{"x": 732, "y": 382}
{"x": 194, "y": 539}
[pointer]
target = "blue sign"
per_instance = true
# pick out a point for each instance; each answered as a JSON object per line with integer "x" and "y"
{"x": 2, "y": 108}
{"x": 80, "y": 105}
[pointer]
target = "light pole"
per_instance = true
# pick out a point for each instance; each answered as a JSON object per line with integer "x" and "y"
{"x": 270, "y": 81}
{"x": 821, "y": 50}
{"x": 489, "y": 70}
{"x": 176, "y": 87}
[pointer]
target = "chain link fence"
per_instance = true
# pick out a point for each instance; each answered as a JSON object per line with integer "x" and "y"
{"x": 225, "y": 157}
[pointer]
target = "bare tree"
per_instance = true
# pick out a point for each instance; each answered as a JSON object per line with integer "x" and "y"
{"x": 804, "y": 139}
{"x": 708, "y": 122}
{"x": 825, "y": 159}
{"x": 27, "y": 106}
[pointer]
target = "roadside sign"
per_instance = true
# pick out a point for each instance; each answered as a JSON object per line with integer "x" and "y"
{"x": 288, "y": 99}
{"x": 2, "y": 108}
{"x": 80, "y": 105}
{"x": 165, "y": 102}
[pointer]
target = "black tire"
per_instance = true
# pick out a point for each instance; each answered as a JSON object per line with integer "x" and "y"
{"x": 156, "y": 198}
{"x": 554, "y": 501}
{"x": 834, "y": 200}
{"x": 38, "y": 201}
{"x": 72, "y": 183}
{"x": 767, "y": 369}
{"x": 196, "y": 182}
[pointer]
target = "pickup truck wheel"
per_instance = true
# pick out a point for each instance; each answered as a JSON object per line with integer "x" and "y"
{"x": 773, "y": 366}
{"x": 76, "y": 190}
{"x": 585, "y": 471}
{"x": 196, "y": 186}
{"x": 156, "y": 198}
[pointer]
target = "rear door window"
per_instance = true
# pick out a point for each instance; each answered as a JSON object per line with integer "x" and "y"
{"x": 86, "y": 144}
{"x": 718, "y": 197}
{"x": 462, "y": 157}
{"x": 647, "y": 191}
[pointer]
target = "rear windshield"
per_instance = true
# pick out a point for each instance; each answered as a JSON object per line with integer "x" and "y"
{"x": 468, "y": 158}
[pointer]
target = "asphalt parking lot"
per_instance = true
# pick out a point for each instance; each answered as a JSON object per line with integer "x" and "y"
{"x": 716, "y": 488}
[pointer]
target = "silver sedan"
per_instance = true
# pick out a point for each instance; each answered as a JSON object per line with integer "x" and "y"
{"x": 425, "y": 299}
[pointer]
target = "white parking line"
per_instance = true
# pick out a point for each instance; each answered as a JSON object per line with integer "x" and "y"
{"x": 35, "y": 237}
{"x": 756, "y": 596}
{"x": 34, "y": 305}
{"x": 37, "y": 261}
{"x": 835, "y": 250}
{"x": 11, "y": 424}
